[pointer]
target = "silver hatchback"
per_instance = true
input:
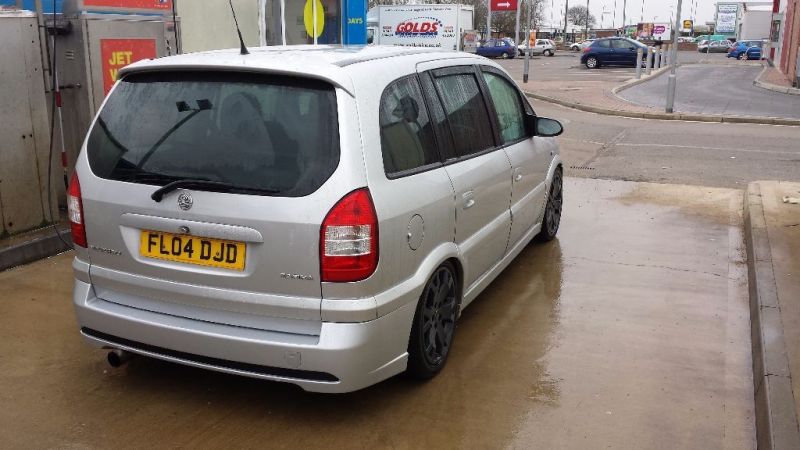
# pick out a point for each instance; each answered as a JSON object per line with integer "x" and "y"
{"x": 313, "y": 215}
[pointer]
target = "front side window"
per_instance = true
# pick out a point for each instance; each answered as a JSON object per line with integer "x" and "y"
{"x": 510, "y": 114}
{"x": 407, "y": 138}
{"x": 466, "y": 113}
{"x": 273, "y": 134}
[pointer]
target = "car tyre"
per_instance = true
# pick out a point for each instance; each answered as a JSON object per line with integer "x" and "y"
{"x": 743, "y": 57}
{"x": 549, "y": 53}
{"x": 434, "y": 323}
{"x": 553, "y": 207}
{"x": 592, "y": 62}
{"x": 505, "y": 55}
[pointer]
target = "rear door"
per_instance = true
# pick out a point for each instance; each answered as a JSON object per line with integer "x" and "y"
{"x": 213, "y": 253}
{"x": 480, "y": 172}
{"x": 604, "y": 52}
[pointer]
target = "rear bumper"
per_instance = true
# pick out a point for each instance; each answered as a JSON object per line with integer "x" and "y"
{"x": 344, "y": 357}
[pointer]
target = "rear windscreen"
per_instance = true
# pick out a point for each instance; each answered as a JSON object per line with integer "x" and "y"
{"x": 276, "y": 134}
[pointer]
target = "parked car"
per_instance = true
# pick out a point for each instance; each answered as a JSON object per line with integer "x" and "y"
{"x": 745, "y": 50}
{"x": 543, "y": 47}
{"x": 307, "y": 215}
{"x": 498, "y": 48}
{"x": 714, "y": 46}
{"x": 578, "y": 46}
{"x": 611, "y": 52}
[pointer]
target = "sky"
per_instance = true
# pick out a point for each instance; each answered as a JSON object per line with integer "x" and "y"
{"x": 654, "y": 10}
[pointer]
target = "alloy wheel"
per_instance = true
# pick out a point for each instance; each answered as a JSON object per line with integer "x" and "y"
{"x": 439, "y": 315}
{"x": 554, "y": 204}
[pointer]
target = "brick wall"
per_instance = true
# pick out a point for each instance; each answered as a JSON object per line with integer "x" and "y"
{"x": 791, "y": 39}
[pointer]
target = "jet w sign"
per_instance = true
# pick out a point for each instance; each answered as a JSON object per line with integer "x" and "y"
{"x": 504, "y": 5}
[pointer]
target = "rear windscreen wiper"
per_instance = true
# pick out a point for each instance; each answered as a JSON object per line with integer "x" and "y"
{"x": 214, "y": 186}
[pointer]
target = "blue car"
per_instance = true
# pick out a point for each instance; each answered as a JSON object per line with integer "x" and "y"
{"x": 612, "y": 52}
{"x": 498, "y": 48}
{"x": 745, "y": 50}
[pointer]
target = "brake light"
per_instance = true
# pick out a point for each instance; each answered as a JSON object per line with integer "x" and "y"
{"x": 75, "y": 209}
{"x": 348, "y": 241}
{"x": 586, "y": 49}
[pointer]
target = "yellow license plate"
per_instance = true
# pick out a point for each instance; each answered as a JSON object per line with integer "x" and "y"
{"x": 193, "y": 250}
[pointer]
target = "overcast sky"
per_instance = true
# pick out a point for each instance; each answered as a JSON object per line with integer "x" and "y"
{"x": 654, "y": 10}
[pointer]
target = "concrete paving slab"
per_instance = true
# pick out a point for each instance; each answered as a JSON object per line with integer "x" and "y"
{"x": 631, "y": 330}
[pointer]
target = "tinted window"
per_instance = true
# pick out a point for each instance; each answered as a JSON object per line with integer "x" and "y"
{"x": 466, "y": 113}
{"x": 270, "y": 133}
{"x": 507, "y": 104}
{"x": 603, "y": 44}
{"x": 407, "y": 138}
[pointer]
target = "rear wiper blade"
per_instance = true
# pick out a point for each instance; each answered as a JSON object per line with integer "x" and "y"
{"x": 215, "y": 186}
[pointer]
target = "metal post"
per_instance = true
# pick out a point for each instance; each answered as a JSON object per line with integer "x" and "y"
{"x": 666, "y": 57}
{"x": 566, "y": 21}
{"x": 639, "y": 54}
{"x": 527, "y": 66}
{"x": 672, "y": 82}
{"x": 587, "y": 19}
{"x": 624, "y": 10}
{"x": 649, "y": 65}
{"x": 488, "y": 20}
{"x": 516, "y": 28}
{"x": 657, "y": 63}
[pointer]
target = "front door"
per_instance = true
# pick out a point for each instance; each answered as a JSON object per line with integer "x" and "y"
{"x": 529, "y": 156}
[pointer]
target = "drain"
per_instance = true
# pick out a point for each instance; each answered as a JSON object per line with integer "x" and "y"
{"x": 581, "y": 167}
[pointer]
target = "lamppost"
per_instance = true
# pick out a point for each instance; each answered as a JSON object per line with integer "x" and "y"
{"x": 587, "y": 19}
{"x": 672, "y": 82}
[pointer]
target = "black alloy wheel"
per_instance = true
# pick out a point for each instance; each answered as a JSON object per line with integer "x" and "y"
{"x": 552, "y": 212}
{"x": 434, "y": 324}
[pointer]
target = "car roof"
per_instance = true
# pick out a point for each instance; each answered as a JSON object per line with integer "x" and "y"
{"x": 329, "y": 63}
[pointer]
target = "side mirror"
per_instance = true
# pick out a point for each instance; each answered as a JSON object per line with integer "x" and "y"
{"x": 543, "y": 127}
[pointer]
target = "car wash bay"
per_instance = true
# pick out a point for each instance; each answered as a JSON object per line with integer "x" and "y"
{"x": 630, "y": 330}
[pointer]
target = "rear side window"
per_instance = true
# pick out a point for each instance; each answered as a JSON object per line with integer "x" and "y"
{"x": 466, "y": 113}
{"x": 407, "y": 138}
{"x": 603, "y": 44}
{"x": 278, "y": 134}
{"x": 510, "y": 114}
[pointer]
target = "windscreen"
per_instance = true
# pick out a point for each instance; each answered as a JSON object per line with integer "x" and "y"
{"x": 273, "y": 134}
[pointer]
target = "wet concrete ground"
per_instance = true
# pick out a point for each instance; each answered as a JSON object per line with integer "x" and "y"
{"x": 629, "y": 331}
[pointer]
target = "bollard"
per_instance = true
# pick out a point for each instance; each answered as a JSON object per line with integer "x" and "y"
{"x": 639, "y": 54}
{"x": 649, "y": 65}
{"x": 657, "y": 60}
{"x": 666, "y": 56}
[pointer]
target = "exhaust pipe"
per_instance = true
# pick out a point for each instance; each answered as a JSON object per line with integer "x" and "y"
{"x": 117, "y": 358}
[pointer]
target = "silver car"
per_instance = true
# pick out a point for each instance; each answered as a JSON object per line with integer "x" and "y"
{"x": 314, "y": 215}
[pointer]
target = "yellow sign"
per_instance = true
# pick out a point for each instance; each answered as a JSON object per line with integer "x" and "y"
{"x": 193, "y": 250}
{"x": 308, "y": 17}
{"x": 688, "y": 24}
{"x": 532, "y": 39}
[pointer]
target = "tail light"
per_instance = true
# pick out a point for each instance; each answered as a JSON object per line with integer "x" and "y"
{"x": 586, "y": 49}
{"x": 75, "y": 208}
{"x": 348, "y": 241}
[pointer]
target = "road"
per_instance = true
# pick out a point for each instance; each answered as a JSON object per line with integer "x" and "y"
{"x": 629, "y": 331}
{"x": 705, "y": 154}
{"x": 708, "y": 89}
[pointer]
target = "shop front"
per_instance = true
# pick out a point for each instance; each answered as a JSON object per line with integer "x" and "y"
{"x": 292, "y": 22}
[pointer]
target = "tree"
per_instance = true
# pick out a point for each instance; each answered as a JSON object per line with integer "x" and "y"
{"x": 577, "y": 16}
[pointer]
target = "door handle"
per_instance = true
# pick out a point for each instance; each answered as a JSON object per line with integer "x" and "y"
{"x": 469, "y": 200}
